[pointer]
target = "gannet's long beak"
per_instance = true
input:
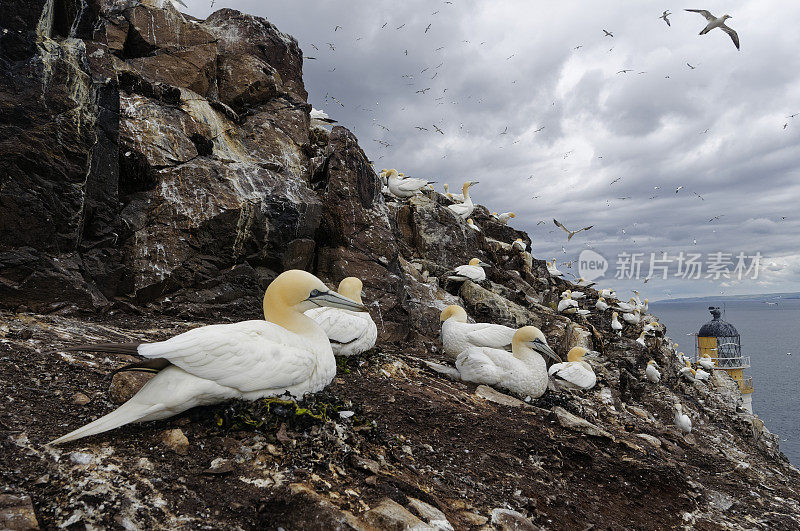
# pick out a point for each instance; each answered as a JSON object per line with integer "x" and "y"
{"x": 541, "y": 347}
{"x": 591, "y": 354}
{"x": 334, "y": 300}
{"x": 484, "y": 264}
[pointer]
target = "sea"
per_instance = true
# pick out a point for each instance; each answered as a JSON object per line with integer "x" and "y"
{"x": 770, "y": 335}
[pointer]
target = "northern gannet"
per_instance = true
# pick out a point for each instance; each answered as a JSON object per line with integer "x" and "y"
{"x": 717, "y": 22}
{"x": 687, "y": 372}
{"x": 567, "y": 304}
{"x": 472, "y": 271}
{"x": 350, "y": 333}
{"x": 641, "y": 340}
{"x": 645, "y": 305}
{"x": 458, "y": 334}
{"x": 447, "y": 193}
{"x": 404, "y": 187}
{"x": 523, "y": 371}
{"x": 651, "y": 372}
{"x": 576, "y": 295}
{"x": 706, "y": 362}
{"x": 570, "y": 233}
{"x": 700, "y": 374}
{"x": 632, "y": 318}
{"x": 464, "y": 210}
{"x": 454, "y": 197}
{"x": 615, "y": 324}
{"x": 504, "y": 217}
{"x": 518, "y": 245}
{"x": 583, "y": 283}
{"x": 286, "y": 352}
{"x": 551, "y": 268}
{"x": 682, "y": 421}
{"x": 629, "y": 306}
{"x": 319, "y": 117}
{"x": 575, "y": 373}
{"x": 664, "y": 17}
{"x": 472, "y": 225}
{"x": 601, "y": 304}
{"x": 607, "y": 293}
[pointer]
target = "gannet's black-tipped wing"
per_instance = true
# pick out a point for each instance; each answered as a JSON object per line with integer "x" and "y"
{"x": 703, "y": 12}
{"x": 560, "y": 226}
{"x": 733, "y": 34}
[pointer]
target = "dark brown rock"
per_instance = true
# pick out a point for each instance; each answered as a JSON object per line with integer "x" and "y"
{"x": 16, "y": 513}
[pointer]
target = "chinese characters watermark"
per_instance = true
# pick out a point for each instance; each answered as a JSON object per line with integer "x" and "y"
{"x": 687, "y": 265}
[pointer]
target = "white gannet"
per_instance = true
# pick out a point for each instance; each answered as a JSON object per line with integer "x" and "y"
{"x": 404, "y": 187}
{"x": 473, "y": 226}
{"x": 319, "y": 117}
{"x": 351, "y": 333}
{"x": 583, "y": 283}
{"x": 700, "y": 374}
{"x": 575, "y": 373}
{"x": 518, "y": 245}
{"x": 567, "y": 304}
{"x": 629, "y": 306}
{"x": 472, "y": 271}
{"x": 651, "y": 372}
{"x": 607, "y": 293}
{"x": 464, "y": 210}
{"x": 504, "y": 217}
{"x": 577, "y": 295}
{"x": 632, "y": 318}
{"x": 641, "y": 340}
{"x": 457, "y": 334}
{"x": 706, "y": 362}
{"x": 447, "y": 193}
{"x": 286, "y": 352}
{"x": 682, "y": 421}
{"x": 523, "y": 371}
{"x": 717, "y": 22}
{"x": 615, "y": 324}
{"x": 645, "y": 305}
{"x": 582, "y": 312}
{"x": 551, "y": 268}
{"x": 601, "y": 304}
{"x": 687, "y": 373}
{"x": 570, "y": 233}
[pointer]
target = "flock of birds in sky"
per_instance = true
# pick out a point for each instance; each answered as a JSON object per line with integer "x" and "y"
{"x": 306, "y": 324}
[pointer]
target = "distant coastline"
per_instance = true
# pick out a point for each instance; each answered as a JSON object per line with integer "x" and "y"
{"x": 772, "y": 297}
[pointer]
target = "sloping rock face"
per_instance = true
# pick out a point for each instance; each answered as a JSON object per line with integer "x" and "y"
{"x": 158, "y": 172}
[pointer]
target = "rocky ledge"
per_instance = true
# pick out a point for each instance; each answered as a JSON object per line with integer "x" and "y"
{"x": 160, "y": 171}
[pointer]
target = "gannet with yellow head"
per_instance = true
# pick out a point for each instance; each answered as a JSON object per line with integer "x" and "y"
{"x": 472, "y": 271}
{"x": 553, "y": 270}
{"x": 504, "y": 217}
{"x": 285, "y": 353}
{"x": 472, "y": 225}
{"x": 402, "y": 186}
{"x": 567, "y": 304}
{"x": 518, "y": 245}
{"x": 464, "y": 210}
{"x": 682, "y": 420}
{"x": 575, "y": 373}
{"x": 651, "y": 372}
{"x": 601, "y": 304}
{"x": 706, "y": 361}
{"x": 350, "y": 333}
{"x": 457, "y": 334}
{"x": 523, "y": 371}
{"x": 615, "y": 324}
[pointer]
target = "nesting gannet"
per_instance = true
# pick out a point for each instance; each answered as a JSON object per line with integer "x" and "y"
{"x": 717, "y": 22}
{"x": 601, "y": 304}
{"x": 567, "y": 304}
{"x": 350, "y": 333}
{"x": 615, "y": 324}
{"x": 454, "y": 197}
{"x": 575, "y": 373}
{"x": 523, "y": 371}
{"x": 651, "y": 372}
{"x": 583, "y": 283}
{"x": 504, "y": 217}
{"x": 473, "y": 226}
{"x": 632, "y": 318}
{"x": 472, "y": 271}
{"x": 464, "y": 210}
{"x": 706, "y": 362}
{"x": 404, "y": 187}
{"x": 570, "y": 233}
{"x": 682, "y": 421}
{"x": 286, "y": 352}
{"x": 582, "y": 312}
{"x": 687, "y": 373}
{"x": 319, "y": 117}
{"x": 518, "y": 245}
{"x": 700, "y": 374}
{"x": 607, "y": 293}
{"x": 551, "y": 268}
{"x": 458, "y": 334}
{"x": 629, "y": 306}
{"x": 577, "y": 295}
{"x": 645, "y": 305}
{"x": 641, "y": 339}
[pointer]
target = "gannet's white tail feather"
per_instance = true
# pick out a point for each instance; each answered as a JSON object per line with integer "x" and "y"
{"x": 128, "y": 412}
{"x": 450, "y": 372}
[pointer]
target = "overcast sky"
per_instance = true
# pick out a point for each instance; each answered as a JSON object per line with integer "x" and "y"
{"x": 490, "y": 74}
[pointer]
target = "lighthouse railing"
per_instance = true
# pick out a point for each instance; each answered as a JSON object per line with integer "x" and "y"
{"x": 739, "y": 362}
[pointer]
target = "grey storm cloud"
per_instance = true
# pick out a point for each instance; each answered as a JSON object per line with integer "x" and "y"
{"x": 513, "y": 67}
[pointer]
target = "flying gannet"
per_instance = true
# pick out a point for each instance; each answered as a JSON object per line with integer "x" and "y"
{"x": 350, "y": 333}
{"x": 651, "y": 372}
{"x": 404, "y": 187}
{"x": 286, "y": 352}
{"x": 523, "y": 371}
{"x": 458, "y": 335}
{"x": 575, "y": 373}
{"x": 664, "y": 17}
{"x": 570, "y": 233}
{"x": 464, "y": 210}
{"x": 682, "y": 421}
{"x": 472, "y": 271}
{"x": 717, "y": 22}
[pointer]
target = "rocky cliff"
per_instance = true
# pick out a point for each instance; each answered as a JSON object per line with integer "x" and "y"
{"x": 158, "y": 172}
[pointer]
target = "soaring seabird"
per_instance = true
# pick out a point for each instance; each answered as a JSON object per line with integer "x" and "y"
{"x": 717, "y": 22}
